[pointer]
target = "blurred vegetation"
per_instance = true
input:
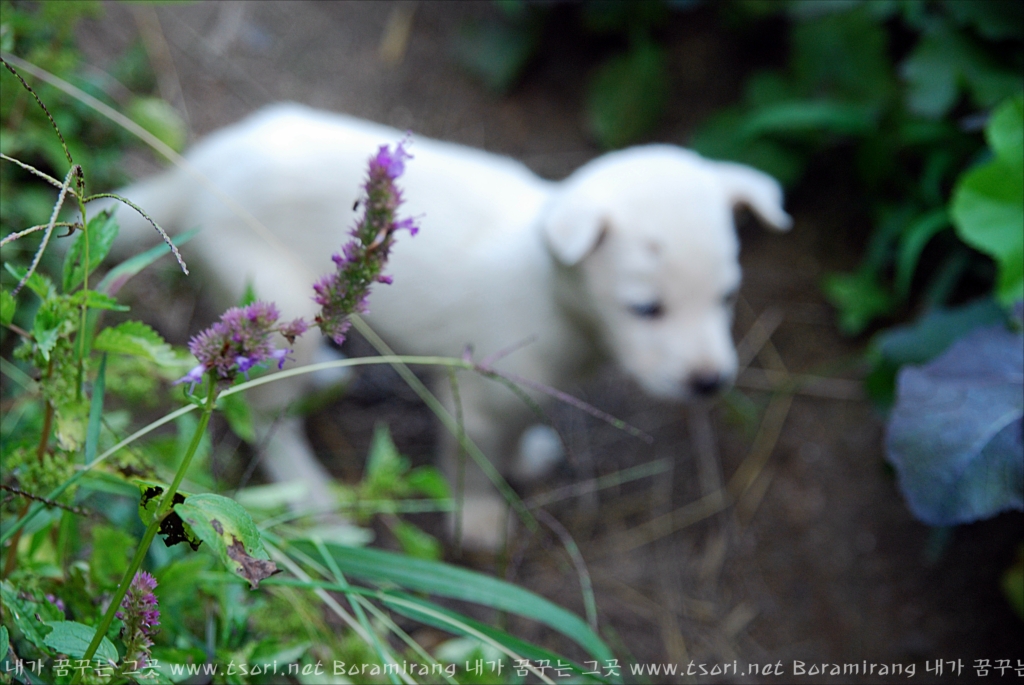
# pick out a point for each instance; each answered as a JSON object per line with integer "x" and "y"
{"x": 43, "y": 33}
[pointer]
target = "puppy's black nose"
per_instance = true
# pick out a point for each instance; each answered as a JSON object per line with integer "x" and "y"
{"x": 706, "y": 384}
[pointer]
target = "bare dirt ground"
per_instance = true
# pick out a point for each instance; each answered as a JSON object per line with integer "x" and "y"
{"x": 818, "y": 560}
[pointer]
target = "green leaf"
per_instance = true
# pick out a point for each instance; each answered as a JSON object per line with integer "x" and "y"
{"x": 99, "y": 236}
{"x": 71, "y": 419}
{"x": 92, "y": 431}
{"x": 421, "y": 575}
{"x": 21, "y": 611}
{"x": 239, "y": 417}
{"x": 97, "y": 300}
{"x": 38, "y": 283}
{"x": 809, "y": 116}
{"x": 497, "y": 52}
{"x": 384, "y": 465}
{"x": 72, "y": 638}
{"x": 945, "y": 61}
{"x": 416, "y": 542}
{"x": 429, "y": 481}
{"x": 1005, "y": 130}
{"x": 717, "y": 139}
{"x": 858, "y": 297}
{"x": 4, "y": 642}
{"x": 8, "y": 305}
{"x": 120, "y": 274}
{"x": 137, "y": 339}
{"x": 229, "y": 530}
{"x": 161, "y": 119}
{"x": 111, "y": 550}
{"x": 988, "y": 211}
{"x": 912, "y": 242}
{"x": 842, "y": 56}
{"x": 628, "y": 95}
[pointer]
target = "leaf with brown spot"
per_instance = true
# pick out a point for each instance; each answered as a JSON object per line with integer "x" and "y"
{"x": 227, "y": 527}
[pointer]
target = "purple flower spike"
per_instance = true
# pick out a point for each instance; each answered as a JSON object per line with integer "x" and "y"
{"x": 240, "y": 341}
{"x": 362, "y": 259}
{"x": 141, "y": 616}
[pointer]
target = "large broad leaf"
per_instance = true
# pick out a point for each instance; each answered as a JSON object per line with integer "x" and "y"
{"x": 955, "y": 434}
{"x": 988, "y": 201}
{"x": 72, "y": 638}
{"x": 223, "y": 524}
{"x": 628, "y": 95}
{"x": 97, "y": 239}
{"x": 444, "y": 580}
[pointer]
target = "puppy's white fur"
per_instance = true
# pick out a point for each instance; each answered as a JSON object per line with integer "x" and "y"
{"x": 633, "y": 257}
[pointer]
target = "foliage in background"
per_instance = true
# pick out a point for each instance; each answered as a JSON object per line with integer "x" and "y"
{"x": 902, "y": 92}
{"x": 628, "y": 91}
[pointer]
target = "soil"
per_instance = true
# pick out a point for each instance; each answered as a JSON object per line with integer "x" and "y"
{"x": 819, "y": 560}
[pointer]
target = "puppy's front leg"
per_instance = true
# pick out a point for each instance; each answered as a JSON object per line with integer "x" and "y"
{"x": 484, "y": 515}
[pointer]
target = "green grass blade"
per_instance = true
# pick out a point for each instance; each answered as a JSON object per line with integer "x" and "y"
{"x": 92, "y": 431}
{"x": 421, "y": 575}
{"x": 431, "y": 614}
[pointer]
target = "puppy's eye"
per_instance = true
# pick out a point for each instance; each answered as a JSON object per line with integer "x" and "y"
{"x": 648, "y": 310}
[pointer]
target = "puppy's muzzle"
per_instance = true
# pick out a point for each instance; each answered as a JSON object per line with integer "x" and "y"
{"x": 707, "y": 383}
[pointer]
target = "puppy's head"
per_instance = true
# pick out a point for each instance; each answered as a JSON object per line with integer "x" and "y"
{"x": 651, "y": 232}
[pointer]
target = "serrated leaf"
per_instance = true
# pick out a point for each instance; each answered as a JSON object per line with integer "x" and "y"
{"x": 73, "y": 638}
{"x": 22, "y": 614}
{"x": 628, "y": 95}
{"x": 137, "y": 339}
{"x": 384, "y": 465}
{"x": 955, "y": 434}
{"x": 71, "y": 420}
{"x": 172, "y": 527}
{"x": 100, "y": 234}
{"x": 97, "y": 300}
{"x": 8, "y": 305}
{"x": 229, "y": 530}
{"x": 38, "y": 283}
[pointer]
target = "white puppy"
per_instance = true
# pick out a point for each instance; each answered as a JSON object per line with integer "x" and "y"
{"x": 633, "y": 258}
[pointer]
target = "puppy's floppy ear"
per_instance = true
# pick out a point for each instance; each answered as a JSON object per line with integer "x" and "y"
{"x": 756, "y": 190}
{"x": 573, "y": 227}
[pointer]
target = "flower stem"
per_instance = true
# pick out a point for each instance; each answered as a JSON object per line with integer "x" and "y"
{"x": 162, "y": 510}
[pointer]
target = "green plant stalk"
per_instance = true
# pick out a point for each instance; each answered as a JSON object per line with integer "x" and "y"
{"x": 162, "y": 510}
{"x": 85, "y": 286}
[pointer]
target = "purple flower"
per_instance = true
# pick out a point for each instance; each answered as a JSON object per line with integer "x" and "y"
{"x": 240, "y": 341}
{"x": 362, "y": 259}
{"x": 141, "y": 616}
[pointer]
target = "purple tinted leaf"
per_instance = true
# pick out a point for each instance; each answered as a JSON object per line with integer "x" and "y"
{"x": 955, "y": 434}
